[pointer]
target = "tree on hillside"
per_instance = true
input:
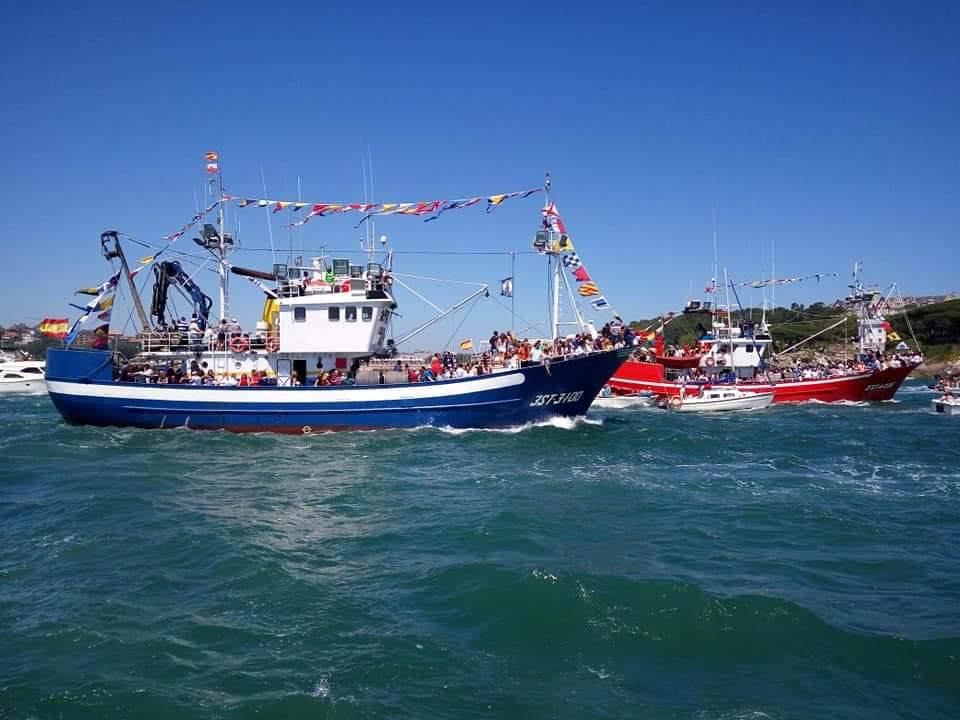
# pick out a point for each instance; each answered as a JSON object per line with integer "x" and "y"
{"x": 937, "y": 324}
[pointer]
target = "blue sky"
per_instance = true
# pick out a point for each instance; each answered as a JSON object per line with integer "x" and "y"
{"x": 830, "y": 129}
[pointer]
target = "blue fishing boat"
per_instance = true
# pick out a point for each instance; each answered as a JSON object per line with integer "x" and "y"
{"x": 319, "y": 359}
{"x": 82, "y": 387}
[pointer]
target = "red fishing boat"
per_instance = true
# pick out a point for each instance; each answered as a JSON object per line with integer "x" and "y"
{"x": 872, "y": 385}
{"x": 741, "y": 354}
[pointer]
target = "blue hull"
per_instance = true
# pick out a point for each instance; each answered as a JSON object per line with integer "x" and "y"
{"x": 81, "y": 387}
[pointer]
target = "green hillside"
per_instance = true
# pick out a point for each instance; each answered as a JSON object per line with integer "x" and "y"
{"x": 937, "y": 326}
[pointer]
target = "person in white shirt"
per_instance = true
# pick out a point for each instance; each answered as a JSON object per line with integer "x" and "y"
{"x": 208, "y": 337}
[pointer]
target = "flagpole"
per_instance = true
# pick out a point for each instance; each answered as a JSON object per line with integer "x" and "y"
{"x": 513, "y": 293}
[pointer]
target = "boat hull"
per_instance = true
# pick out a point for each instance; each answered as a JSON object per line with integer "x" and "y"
{"x": 949, "y": 407}
{"x": 27, "y": 386}
{"x": 81, "y": 387}
{"x": 872, "y": 386}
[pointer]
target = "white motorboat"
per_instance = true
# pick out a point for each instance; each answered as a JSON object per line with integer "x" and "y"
{"x": 717, "y": 399}
{"x": 948, "y": 403}
{"x": 22, "y": 376}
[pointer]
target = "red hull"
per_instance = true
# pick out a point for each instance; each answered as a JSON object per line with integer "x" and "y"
{"x": 871, "y": 386}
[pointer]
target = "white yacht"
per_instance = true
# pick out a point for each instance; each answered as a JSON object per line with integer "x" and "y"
{"x": 716, "y": 399}
{"x": 21, "y": 376}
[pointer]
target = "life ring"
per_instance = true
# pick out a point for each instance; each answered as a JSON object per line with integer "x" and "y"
{"x": 710, "y": 362}
{"x": 239, "y": 344}
{"x": 345, "y": 287}
{"x": 272, "y": 344}
{"x": 675, "y": 402}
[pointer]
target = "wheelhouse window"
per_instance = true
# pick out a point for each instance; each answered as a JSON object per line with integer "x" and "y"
{"x": 366, "y": 314}
{"x": 299, "y": 314}
{"x": 351, "y": 313}
{"x": 333, "y": 314}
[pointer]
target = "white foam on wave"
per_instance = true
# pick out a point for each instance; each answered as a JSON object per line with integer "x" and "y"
{"x": 841, "y": 403}
{"x": 915, "y": 389}
{"x": 558, "y": 422}
{"x": 322, "y": 688}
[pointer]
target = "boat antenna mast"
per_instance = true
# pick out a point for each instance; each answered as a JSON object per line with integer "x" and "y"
{"x": 216, "y": 239}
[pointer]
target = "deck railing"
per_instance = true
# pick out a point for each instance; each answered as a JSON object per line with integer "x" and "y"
{"x": 175, "y": 341}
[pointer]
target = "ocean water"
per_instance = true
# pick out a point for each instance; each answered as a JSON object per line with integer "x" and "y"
{"x": 802, "y": 562}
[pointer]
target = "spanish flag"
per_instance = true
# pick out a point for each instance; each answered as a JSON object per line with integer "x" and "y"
{"x": 467, "y": 345}
{"x": 54, "y": 327}
{"x": 211, "y": 156}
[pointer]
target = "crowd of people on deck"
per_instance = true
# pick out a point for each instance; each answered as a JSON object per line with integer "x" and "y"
{"x": 506, "y": 351}
{"x": 177, "y": 372}
{"x": 190, "y": 334}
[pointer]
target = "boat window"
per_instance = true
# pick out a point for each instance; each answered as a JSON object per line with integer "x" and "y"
{"x": 366, "y": 314}
{"x": 351, "y": 313}
{"x": 33, "y": 370}
{"x": 13, "y": 376}
{"x": 299, "y": 314}
{"x": 333, "y": 314}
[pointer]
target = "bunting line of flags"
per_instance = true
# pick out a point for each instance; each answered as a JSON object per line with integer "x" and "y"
{"x": 432, "y": 209}
{"x": 716, "y": 287}
{"x": 173, "y": 237}
{"x": 586, "y": 286}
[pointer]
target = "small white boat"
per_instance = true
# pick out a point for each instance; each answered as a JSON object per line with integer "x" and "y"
{"x": 22, "y": 376}
{"x": 947, "y": 404}
{"x": 621, "y": 402}
{"x": 717, "y": 399}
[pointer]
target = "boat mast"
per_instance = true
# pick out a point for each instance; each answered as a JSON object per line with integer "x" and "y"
{"x": 557, "y": 269}
{"x": 726, "y": 284}
{"x": 861, "y": 304}
{"x": 222, "y": 265}
{"x": 716, "y": 272}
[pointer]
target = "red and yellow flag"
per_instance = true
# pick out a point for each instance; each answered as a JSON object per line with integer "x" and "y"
{"x": 54, "y": 327}
{"x": 588, "y": 289}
